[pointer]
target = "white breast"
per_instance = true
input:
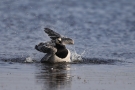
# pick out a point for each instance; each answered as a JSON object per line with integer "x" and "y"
{"x": 54, "y": 58}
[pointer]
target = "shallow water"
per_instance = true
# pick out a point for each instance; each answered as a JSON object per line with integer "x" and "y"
{"x": 35, "y": 76}
{"x": 103, "y": 29}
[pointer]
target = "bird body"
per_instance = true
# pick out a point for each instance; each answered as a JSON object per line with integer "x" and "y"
{"x": 55, "y": 49}
{"x": 54, "y": 58}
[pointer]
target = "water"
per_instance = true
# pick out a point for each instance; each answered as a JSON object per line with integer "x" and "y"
{"x": 103, "y": 29}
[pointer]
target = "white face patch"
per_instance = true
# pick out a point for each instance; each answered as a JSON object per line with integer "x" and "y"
{"x": 59, "y": 39}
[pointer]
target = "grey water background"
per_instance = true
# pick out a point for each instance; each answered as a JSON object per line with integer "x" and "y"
{"x": 105, "y": 29}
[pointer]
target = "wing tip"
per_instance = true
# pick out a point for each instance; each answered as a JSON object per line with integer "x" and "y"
{"x": 46, "y": 29}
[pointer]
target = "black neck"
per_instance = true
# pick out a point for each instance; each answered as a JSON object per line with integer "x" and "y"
{"x": 61, "y": 51}
{"x": 59, "y": 46}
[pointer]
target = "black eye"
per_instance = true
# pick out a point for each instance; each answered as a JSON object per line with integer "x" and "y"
{"x": 59, "y": 41}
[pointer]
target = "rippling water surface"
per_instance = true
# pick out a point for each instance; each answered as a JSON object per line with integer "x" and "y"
{"x": 105, "y": 30}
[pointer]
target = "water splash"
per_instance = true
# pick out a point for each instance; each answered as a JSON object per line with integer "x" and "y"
{"x": 28, "y": 60}
{"x": 75, "y": 57}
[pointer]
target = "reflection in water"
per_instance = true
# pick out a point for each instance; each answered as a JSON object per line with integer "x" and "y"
{"x": 54, "y": 76}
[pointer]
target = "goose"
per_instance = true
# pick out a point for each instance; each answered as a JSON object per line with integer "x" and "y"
{"x": 55, "y": 49}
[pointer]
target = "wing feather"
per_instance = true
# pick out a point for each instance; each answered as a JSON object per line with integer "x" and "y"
{"x": 52, "y": 34}
{"x": 67, "y": 40}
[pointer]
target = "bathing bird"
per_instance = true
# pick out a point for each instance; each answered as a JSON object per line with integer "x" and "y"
{"x": 55, "y": 49}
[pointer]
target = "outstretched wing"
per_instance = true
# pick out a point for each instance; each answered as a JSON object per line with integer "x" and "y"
{"x": 53, "y": 35}
{"x": 67, "y": 40}
{"x": 46, "y": 47}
